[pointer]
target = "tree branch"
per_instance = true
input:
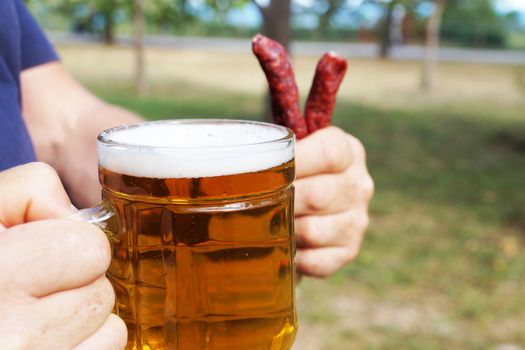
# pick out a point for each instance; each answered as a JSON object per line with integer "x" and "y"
{"x": 258, "y": 6}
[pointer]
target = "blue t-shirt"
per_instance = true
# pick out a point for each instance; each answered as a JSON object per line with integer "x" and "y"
{"x": 22, "y": 46}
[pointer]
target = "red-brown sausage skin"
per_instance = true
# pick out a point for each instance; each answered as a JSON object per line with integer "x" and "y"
{"x": 277, "y": 67}
{"x": 321, "y": 100}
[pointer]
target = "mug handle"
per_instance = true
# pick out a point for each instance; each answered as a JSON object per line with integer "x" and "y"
{"x": 100, "y": 216}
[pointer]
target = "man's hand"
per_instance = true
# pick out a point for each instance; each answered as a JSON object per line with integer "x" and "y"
{"x": 53, "y": 292}
{"x": 333, "y": 189}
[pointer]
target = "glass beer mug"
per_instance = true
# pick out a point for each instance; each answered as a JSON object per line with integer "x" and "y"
{"x": 200, "y": 219}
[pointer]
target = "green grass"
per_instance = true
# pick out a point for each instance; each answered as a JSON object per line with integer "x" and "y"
{"x": 187, "y": 102}
{"x": 448, "y": 223}
{"x": 516, "y": 40}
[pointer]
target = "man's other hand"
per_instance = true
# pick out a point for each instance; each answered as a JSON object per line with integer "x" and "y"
{"x": 53, "y": 292}
{"x": 333, "y": 189}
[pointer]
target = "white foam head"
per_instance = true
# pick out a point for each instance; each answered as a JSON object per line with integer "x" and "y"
{"x": 194, "y": 148}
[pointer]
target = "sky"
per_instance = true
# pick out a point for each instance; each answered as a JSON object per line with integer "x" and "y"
{"x": 510, "y": 5}
{"x": 249, "y": 15}
{"x": 502, "y": 5}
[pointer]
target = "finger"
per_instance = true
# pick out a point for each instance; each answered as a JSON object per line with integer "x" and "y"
{"x": 70, "y": 317}
{"x": 329, "y": 194}
{"x": 323, "y": 194}
{"x": 331, "y": 230}
{"x": 113, "y": 335}
{"x": 43, "y": 257}
{"x": 31, "y": 192}
{"x": 328, "y": 150}
{"x": 323, "y": 262}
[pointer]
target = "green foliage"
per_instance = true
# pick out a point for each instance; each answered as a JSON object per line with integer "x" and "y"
{"x": 92, "y": 16}
{"x": 186, "y": 18}
{"x": 465, "y": 22}
{"x": 168, "y": 14}
{"x": 473, "y": 23}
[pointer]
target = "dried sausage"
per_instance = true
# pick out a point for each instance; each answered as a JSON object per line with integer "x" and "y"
{"x": 277, "y": 66}
{"x": 321, "y": 100}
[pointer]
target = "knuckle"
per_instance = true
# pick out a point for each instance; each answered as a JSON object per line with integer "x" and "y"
{"x": 108, "y": 292}
{"x": 368, "y": 186}
{"x": 307, "y": 231}
{"x": 94, "y": 303}
{"x": 103, "y": 297}
{"x": 357, "y": 148}
{"x": 97, "y": 246}
{"x": 355, "y": 225}
{"x": 89, "y": 241}
{"x": 319, "y": 198}
{"x": 42, "y": 171}
{"x": 120, "y": 331}
{"x": 351, "y": 253}
{"x": 335, "y": 151}
{"x": 365, "y": 221}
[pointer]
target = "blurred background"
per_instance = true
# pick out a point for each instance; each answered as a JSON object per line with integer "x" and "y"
{"x": 436, "y": 92}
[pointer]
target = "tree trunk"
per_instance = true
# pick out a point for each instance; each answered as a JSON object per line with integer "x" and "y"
{"x": 324, "y": 19}
{"x": 276, "y": 25}
{"x": 432, "y": 45}
{"x": 109, "y": 23}
{"x": 385, "y": 43}
{"x": 276, "y": 21}
{"x": 138, "y": 44}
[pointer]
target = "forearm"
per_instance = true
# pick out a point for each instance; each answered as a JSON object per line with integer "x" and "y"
{"x": 75, "y": 158}
{"x": 64, "y": 120}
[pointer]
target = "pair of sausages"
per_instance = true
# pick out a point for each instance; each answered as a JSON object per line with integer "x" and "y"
{"x": 277, "y": 66}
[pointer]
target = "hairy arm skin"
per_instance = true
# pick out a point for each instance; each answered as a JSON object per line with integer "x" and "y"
{"x": 64, "y": 119}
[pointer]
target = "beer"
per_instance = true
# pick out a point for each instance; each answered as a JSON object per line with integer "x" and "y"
{"x": 203, "y": 253}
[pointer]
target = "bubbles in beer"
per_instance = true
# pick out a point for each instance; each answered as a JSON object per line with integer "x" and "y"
{"x": 192, "y": 150}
